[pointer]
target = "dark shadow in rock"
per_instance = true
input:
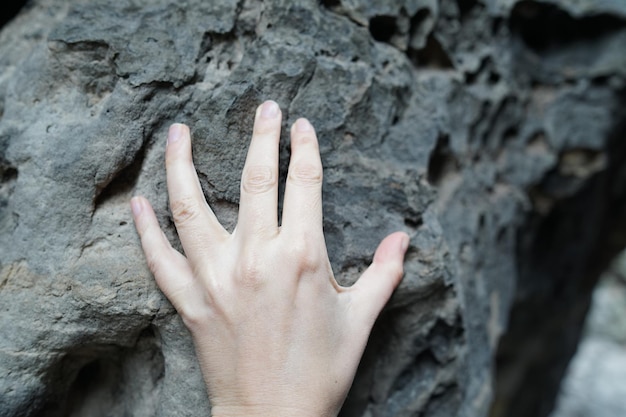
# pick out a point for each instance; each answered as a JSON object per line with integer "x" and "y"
{"x": 432, "y": 55}
{"x": 442, "y": 162}
{"x": 8, "y": 178}
{"x": 331, "y": 4}
{"x": 560, "y": 257}
{"x": 544, "y": 27}
{"x": 123, "y": 182}
{"x": 466, "y": 7}
{"x": 10, "y": 9}
{"x": 107, "y": 380}
{"x": 383, "y": 28}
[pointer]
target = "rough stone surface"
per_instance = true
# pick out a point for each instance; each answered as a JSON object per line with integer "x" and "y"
{"x": 594, "y": 385}
{"x": 491, "y": 131}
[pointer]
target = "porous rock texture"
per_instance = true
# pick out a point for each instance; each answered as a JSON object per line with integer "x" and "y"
{"x": 492, "y": 131}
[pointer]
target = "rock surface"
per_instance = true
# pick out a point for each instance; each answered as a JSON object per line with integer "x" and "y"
{"x": 594, "y": 385}
{"x": 491, "y": 131}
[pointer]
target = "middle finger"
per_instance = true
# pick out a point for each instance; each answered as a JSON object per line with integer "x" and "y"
{"x": 258, "y": 212}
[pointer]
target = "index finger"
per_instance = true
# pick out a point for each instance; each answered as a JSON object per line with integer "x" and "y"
{"x": 198, "y": 228}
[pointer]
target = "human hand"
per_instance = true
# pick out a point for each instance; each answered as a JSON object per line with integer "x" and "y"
{"x": 275, "y": 334}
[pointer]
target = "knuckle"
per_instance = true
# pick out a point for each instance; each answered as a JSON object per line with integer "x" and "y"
{"x": 194, "y": 304}
{"x": 265, "y": 127}
{"x": 193, "y": 316}
{"x": 306, "y": 174}
{"x": 258, "y": 179}
{"x": 184, "y": 210}
{"x": 306, "y": 254}
{"x": 177, "y": 160}
{"x": 190, "y": 318}
{"x": 153, "y": 262}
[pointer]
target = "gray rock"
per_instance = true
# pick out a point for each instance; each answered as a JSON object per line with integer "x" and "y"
{"x": 478, "y": 127}
{"x": 594, "y": 385}
{"x": 595, "y": 381}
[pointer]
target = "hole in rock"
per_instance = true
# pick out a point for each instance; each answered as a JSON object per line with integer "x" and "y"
{"x": 383, "y": 28}
{"x": 330, "y": 4}
{"x": 441, "y": 162}
{"x": 413, "y": 222}
{"x": 421, "y": 17}
{"x": 107, "y": 380}
{"x": 8, "y": 177}
{"x": 494, "y": 77}
{"x": 10, "y": 9}
{"x": 432, "y": 55}
{"x": 466, "y": 6}
{"x": 9, "y": 174}
{"x": 543, "y": 26}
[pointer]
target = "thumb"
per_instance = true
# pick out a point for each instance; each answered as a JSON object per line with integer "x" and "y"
{"x": 378, "y": 282}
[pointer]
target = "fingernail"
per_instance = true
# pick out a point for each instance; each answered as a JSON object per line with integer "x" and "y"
{"x": 135, "y": 205}
{"x": 269, "y": 110}
{"x": 303, "y": 125}
{"x": 175, "y": 133}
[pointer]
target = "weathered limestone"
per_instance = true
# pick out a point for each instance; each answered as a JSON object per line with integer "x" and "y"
{"x": 491, "y": 131}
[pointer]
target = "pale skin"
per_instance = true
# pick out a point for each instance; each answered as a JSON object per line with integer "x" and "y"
{"x": 274, "y": 332}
